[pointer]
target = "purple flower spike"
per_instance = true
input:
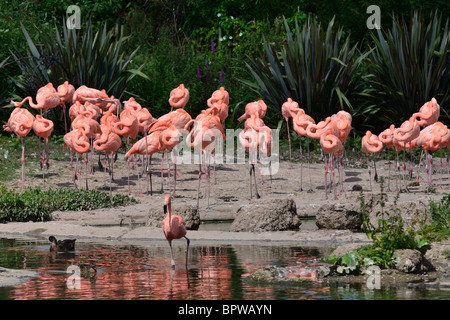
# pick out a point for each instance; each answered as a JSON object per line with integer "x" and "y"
{"x": 199, "y": 76}
{"x": 206, "y": 65}
{"x": 221, "y": 74}
{"x": 213, "y": 48}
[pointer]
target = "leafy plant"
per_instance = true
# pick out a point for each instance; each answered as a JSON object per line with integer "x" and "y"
{"x": 37, "y": 205}
{"x": 409, "y": 66}
{"x": 315, "y": 68}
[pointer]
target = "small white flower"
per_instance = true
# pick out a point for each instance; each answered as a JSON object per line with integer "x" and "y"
{"x": 219, "y": 14}
{"x": 6, "y": 154}
{"x": 230, "y": 37}
{"x": 231, "y": 17}
{"x": 240, "y": 34}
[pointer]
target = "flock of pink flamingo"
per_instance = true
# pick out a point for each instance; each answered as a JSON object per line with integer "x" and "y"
{"x": 98, "y": 123}
{"x": 433, "y": 135}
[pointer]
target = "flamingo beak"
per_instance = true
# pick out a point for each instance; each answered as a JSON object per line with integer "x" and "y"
{"x": 165, "y": 208}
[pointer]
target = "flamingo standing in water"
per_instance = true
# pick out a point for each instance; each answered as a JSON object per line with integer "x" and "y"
{"x": 331, "y": 145}
{"x": 386, "y": 137}
{"x": 371, "y": 144}
{"x": 174, "y": 227}
{"x": 20, "y": 122}
{"x": 43, "y": 129}
{"x": 288, "y": 110}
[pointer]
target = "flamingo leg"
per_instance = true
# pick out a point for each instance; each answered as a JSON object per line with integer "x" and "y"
{"x": 208, "y": 177}
{"x": 309, "y": 166}
{"x": 137, "y": 173}
{"x": 171, "y": 255}
{"x": 389, "y": 171}
{"x": 187, "y": 250}
{"x": 86, "y": 168}
{"x": 331, "y": 160}
{"x": 404, "y": 171}
{"x": 326, "y": 172}
{"x": 301, "y": 165}
{"x": 256, "y": 186}
{"x": 370, "y": 174}
{"x": 162, "y": 173}
{"x": 23, "y": 161}
{"x": 199, "y": 179}
{"x": 128, "y": 164}
{"x": 289, "y": 139}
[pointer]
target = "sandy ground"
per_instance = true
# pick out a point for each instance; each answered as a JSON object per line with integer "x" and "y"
{"x": 229, "y": 189}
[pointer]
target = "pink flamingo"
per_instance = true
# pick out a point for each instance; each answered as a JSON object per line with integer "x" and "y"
{"x": 174, "y": 227}
{"x": 109, "y": 142}
{"x": 387, "y": 137}
{"x": 257, "y": 108}
{"x": 343, "y": 123}
{"x": 407, "y": 132}
{"x": 428, "y": 113}
{"x": 430, "y": 140}
{"x": 288, "y": 110}
{"x": 46, "y": 98}
{"x": 169, "y": 139}
{"x": 148, "y": 145}
{"x": 128, "y": 127}
{"x": 300, "y": 122}
{"x": 65, "y": 93}
{"x": 20, "y": 122}
{"x": 256, "y": 135}
{"x": 315, "y": 131}
{"x": 179, "y": 118}
{"x": 206, "y": 129}
{"x": 179, "y": 97}
{"x": 219, "y": 95}
{"x": 77, "y": 141}
{"x": 371, "y": 144}
{"x": 331, "y": 145}
{"x": 43, "y": 129}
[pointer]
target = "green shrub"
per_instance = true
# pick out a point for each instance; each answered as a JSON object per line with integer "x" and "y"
{"x": 315, "y": 67}
{"x": 37, "y": 205}
{"x": 409, "y": 66}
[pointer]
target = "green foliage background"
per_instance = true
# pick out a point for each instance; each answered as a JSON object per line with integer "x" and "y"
{"x": 175, "y": 40}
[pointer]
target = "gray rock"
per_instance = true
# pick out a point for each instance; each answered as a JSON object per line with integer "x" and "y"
{"x": 12, "y": 277}
{"x": 411, "y": 261}
{"x": 188, "y": 213}
{"x": 267, "y": 215}
{"x": 344, "y": 215}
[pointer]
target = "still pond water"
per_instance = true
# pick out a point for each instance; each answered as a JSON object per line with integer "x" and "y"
{"x": 144, "y": 272}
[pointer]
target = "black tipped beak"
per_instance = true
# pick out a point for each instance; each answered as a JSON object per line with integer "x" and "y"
{"x": 165, "y": 208}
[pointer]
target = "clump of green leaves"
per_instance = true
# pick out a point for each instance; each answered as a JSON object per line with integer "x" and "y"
{"x": 392, "y": 233}
{"x": 37, "y": 205}
{"x": 439, "y": 227}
